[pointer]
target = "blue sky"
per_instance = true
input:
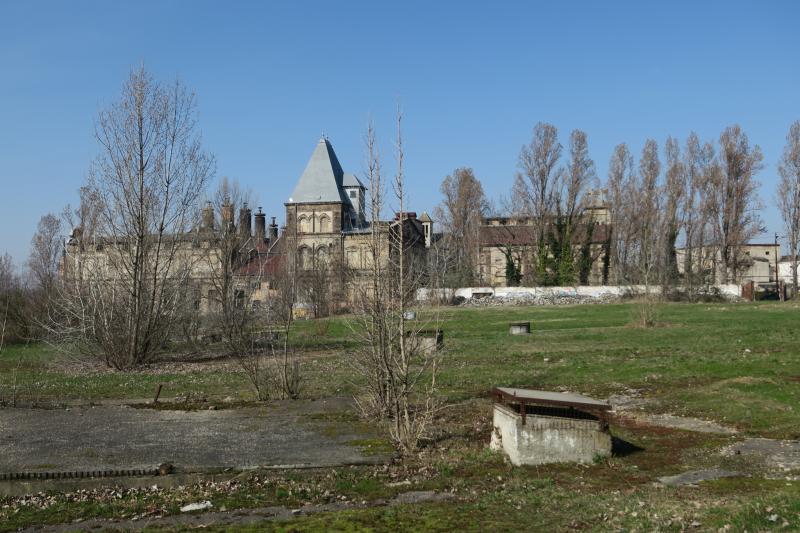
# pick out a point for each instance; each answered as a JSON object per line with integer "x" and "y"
{"x": 472, "y": 78}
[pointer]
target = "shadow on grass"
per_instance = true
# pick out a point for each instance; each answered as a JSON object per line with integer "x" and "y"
{"x": 623, "y": 448}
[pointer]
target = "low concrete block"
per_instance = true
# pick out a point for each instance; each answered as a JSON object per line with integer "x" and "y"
{"x": 519, "y": 328}
{"x": 541, "y": 439}
{"x": 429, "y": 341}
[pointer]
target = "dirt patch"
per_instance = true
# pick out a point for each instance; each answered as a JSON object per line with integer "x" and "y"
{"x": 742, "y": 380}
{"x": 679, "y": 422}
{"x": 628, "y": 399}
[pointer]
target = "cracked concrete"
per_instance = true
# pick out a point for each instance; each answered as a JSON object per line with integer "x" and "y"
{"x": 110, "y": 437}
{"x": 696, "y": 476}
{"x": 774, "y": 455}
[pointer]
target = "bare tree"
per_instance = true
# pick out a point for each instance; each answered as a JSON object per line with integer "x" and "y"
{"x": 257, "y": 338}
{"x": 533, "y": 191}
{"x": 399, "y": 373}
{"x": 47, "y": 247}
{"x": 264, "y": 350}
{"x": 226, "y": 251}
{"x": 148, "y": 180}
{"x": 621, "y": 177}
{"x": 694, "y": 219}
{"x": 647, "y": 201}
{"x": 44, "y": 262}
{"x": 569, "y": 203}
{"x": 674, "y": 193}
{"x": 317, "y": 280}
{"x": 788, "y": 195}
{"x": 461, "y": 214}
{"x": 733, "y": 199}
{"x": 14, "y": 302}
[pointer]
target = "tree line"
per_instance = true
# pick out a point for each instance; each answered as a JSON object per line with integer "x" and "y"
{"x": 700, "y": 197}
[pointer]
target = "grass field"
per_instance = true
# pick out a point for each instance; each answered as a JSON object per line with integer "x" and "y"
{"x": 735, "y": 364}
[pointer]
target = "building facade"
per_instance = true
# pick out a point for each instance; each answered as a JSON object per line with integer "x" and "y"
{"x": 326, "y": 228}
{"x": 516, "y": 239}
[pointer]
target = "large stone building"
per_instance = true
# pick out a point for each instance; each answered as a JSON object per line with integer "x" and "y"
{"x": 326, "y": 226}
{"x": 757, "y": 262}
{"x": 504, "y": 239}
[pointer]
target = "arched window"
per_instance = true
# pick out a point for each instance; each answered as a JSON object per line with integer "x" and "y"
{"x": 324, "y": 224}
{"x": 304, "y": 257}
{"x": 304, "y": 224}
{"x": 352, "y": 258}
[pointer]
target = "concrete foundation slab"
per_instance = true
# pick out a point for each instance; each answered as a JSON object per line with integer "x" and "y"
{"x": 107, "y": 438}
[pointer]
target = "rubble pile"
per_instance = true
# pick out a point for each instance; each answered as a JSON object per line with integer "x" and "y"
{"x": 541, "y": 299}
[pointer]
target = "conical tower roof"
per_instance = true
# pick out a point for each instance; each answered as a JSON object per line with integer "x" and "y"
{"x": 321, "y": 181}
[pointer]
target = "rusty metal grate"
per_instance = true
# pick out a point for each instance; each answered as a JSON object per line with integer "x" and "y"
{"x": 556, "y": 404}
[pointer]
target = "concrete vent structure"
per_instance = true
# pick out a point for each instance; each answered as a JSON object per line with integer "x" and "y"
{"x": 536, "y": 427}
{"x": 519, "y": 328}
{"x": 261, "y": 225}
{"x": 427, "y": 341}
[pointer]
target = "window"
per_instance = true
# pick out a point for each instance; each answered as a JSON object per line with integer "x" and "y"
{"x": 353, "y": 194}
{"x": 324, "y": 224}
{"x": 305, "y": 257}
{"x": 304, "y": 225}
{"x": 352, "y": 258}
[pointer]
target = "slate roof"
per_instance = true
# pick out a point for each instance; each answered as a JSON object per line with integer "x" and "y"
{"x": 523, "y": 235}
{"x": 322, "y": 178}
{"x": 351, "y": 180}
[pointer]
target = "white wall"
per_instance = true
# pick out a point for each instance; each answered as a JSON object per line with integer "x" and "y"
{"x": 592, "y": 291}
{"x": 785, "y": 271}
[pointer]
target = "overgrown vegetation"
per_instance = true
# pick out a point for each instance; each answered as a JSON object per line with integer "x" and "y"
{"x": 735, "y": 364}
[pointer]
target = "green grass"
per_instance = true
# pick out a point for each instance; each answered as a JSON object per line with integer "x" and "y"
{"x": 736, "y": 364}
{"x": 34, "y": 375}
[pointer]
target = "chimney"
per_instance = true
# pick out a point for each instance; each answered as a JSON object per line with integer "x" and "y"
{"x": 261, "y": 225}
{"x": 245, "y": 220}
{"x": 207, "y": 219}
{"x": 273, "y": 231}
{"x": 227, "y": 215}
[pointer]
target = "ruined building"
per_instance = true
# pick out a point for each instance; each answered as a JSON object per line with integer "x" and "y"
{"x": 326, "y": 228}
{"x": 515, "y": 240}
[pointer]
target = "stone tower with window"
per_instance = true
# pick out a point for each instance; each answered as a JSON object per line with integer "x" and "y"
{"x": 326, "y": 220}
{"x": 326, "y": 204}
